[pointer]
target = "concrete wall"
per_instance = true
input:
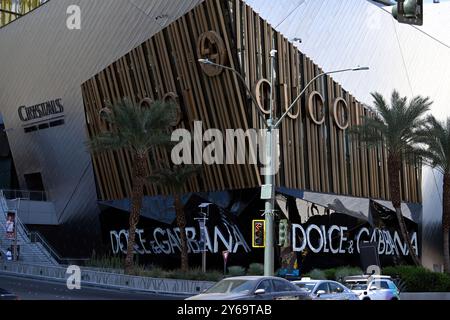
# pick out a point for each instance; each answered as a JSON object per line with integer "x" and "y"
{"x": 36, "y": 212}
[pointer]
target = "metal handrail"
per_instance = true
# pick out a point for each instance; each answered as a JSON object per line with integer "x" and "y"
{"x": 34, "y": 236}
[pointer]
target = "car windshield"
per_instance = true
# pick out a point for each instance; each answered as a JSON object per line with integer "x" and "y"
{"x": 307, "y": 286}
{"x": 232, "y": 286}
{"x": 357, "y": 286}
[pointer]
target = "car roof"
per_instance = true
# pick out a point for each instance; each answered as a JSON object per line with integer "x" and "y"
{"x": 313, "y": 281}
{"x": 253, "y": 278}
{"x": 366, "y": 278}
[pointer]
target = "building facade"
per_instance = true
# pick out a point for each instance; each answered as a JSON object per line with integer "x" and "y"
{"x": 149, "y": 51}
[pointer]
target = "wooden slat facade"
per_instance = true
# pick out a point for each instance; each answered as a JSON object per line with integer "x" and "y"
{"x": 315, "y": 157}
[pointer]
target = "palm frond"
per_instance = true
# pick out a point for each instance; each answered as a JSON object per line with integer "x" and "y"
{"x": 174, "y": 178}
{"x": 396, "y": 124}
{"x": 106, "y": 141}
{"x": 436, "y": 136}
{"x": 135, "y": 127}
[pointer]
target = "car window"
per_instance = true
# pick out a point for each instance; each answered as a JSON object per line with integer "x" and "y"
{"x": 323, "y": 287}
{"x": 307, "y": 286}
{"x": 266, "y": 285}
{"x": 384, "y": 285}
{"x": 392, "y": 286}
{"x": 232, "y": 286}
{"x": 335, "y": 288}
{"x": 357, "y": 286}
{"x": 281, "y": 286}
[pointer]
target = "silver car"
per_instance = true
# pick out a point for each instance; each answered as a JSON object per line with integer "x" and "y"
{"x": 326, "y": 290}
{"x": 253, "y": 288}
{"x": 373, "y": 287}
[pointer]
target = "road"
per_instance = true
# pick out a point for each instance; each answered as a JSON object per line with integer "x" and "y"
{"x": 31, "y": 289}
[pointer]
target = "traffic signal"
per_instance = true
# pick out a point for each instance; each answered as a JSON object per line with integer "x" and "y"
{"x": 409, "y": 12}
{"x": 283, "y": 234}
{"x": 259, "y": 231}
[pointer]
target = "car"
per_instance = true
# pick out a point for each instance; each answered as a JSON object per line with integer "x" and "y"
{"x": 373, "y": 287}
{"x": 325, "y": 290}
{"x": 253, "y": 288}
{"x": 6, "y": 295}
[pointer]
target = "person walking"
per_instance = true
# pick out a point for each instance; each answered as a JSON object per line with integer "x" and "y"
{"x": 9, "y": 255}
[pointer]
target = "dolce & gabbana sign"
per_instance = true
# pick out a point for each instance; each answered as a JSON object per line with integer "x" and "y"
{"x": 42, "y": 110}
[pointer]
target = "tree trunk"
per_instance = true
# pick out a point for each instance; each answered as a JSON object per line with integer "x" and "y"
{"x": 446, "y": 222}
{"x": 181, "y": 224}
{"x": 138, "y": 178}
{"x": 394, "y": 167}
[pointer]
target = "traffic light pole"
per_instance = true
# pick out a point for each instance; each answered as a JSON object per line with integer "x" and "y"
{"x": 269, "y": 260}
{"x": 272, "y": 125}
{"x": 269, "y": 207}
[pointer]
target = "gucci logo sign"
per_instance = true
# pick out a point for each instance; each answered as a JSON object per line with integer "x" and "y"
{"x": 340, "y": 113}
{"x": 210, "y": 46}
{"x": 262, "y": 90}
{"x": 172, "y": 97}
{"x": 146, "y": 102}
{"x": 316, "y": 108}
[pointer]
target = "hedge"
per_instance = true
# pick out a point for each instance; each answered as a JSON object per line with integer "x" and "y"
{"x": 418, "y": 279}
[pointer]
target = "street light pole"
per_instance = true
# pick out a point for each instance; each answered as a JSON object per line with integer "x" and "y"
{"x": 269, "y": 177}
{"x": 272, "y": 125}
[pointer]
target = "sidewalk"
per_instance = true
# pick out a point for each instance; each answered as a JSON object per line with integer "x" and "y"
{"x": 107, "y": 280}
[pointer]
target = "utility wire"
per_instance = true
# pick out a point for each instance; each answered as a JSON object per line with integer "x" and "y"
{"x": 403, "y": 57}
{"x": 290, "y": 14}
{"x": 420, "y": 30}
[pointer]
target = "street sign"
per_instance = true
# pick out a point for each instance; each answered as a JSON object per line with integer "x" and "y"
{"x": 225, "y": 255}
{"x": 258, "y": 234}
{"x": 266, "y": 191}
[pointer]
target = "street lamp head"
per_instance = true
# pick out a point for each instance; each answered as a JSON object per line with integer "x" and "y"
{"x": 299, "y": 40}
{"x": 361, "y": 69}
{"x": 204, "y": 61}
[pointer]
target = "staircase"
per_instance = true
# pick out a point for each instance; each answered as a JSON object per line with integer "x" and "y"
{"x": 32, "y": 250}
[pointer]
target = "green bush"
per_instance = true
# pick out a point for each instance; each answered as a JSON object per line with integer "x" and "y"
{"x": 418, "y": 279}
{"x": 330, "y": 274}
{"x": 343, "y": 272}
{"x": 317, "y": 274}
{"x": 255, "y": 269}
{"x": 106, "y": 262}
{"x": 236, "y": 271}
{"x": 192, "y": 274}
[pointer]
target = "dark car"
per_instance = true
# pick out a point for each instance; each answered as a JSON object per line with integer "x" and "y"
{"x": 253, "y": 288}
{"x": 6, "y": 295}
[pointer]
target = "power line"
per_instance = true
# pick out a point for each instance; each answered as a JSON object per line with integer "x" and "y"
{"x": 418, "y": 29}
{"x": 403, "y": 58}
{"x": 293, "y": 10}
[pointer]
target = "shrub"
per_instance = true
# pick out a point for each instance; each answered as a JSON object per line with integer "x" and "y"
{"x": 330, "y": 274}
{"x": 213, "y": 276}
{"x": 343, "y": 272}
{"x": 418, "y": 279}
{"x": 236, "y": 271}
{"x": 105, "y": 262}
{"x": 256, "y": 269}
{"x": 317, "y": 274}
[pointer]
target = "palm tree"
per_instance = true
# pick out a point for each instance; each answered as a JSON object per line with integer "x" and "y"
{"x": 396, "y": 126}
{"x": 136, "y": 129}
{"x": 436, "y": 136}
{"x": 175, "y": 179}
